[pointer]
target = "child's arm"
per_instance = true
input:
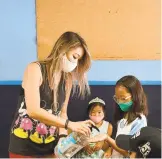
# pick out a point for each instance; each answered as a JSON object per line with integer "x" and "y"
{"x": 109, "y": 132}
{"x": 102, "y": 144}
{"x": 107, "y": 148}
{"x": 98, "y": 146}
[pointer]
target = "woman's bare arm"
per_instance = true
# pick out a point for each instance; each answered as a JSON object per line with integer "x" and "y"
{"x": 31, "y": 83}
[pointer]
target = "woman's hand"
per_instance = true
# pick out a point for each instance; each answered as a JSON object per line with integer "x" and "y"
{"x": 81, "y": 127}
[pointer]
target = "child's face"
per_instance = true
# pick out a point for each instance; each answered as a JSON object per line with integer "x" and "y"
{"x": 97, "y": 114}
{"x": 122, "y": 95}
{"x": 96, "y": 111}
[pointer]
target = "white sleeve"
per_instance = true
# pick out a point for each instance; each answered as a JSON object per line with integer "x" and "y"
{"x": 140, "y": 123}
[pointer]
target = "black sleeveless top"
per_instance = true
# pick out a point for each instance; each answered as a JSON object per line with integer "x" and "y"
{"x": 30, "y": 137}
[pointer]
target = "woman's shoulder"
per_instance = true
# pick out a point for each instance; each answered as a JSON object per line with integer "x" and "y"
{"x": 32, "y": 72}
{"x": 33, "y": 69}
{"x": 35, "y": 66}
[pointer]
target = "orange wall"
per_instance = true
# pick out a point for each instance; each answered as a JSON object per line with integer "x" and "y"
{"x": 113, "y": 29}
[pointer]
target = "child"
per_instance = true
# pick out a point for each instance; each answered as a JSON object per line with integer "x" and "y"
{"x": 130, "y": 113}
{"x": 96, "y": 111}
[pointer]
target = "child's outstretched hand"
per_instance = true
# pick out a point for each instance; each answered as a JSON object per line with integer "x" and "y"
{"x": 98, "y": 146}
{"x": 98, "y": 138}
{"x": 107, "y": 153}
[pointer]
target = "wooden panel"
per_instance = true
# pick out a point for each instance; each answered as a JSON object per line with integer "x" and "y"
{"x": 113, "y": 29}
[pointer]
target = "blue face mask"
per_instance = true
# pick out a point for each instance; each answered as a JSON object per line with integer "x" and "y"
{"x": 125, "y": 106}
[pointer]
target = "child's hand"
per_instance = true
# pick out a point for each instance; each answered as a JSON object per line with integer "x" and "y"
{"x": 107, "y": 153}
{"x": 98, "y": 146}
{"x": 88, "y": 149}
{"x": 98, "y": 138}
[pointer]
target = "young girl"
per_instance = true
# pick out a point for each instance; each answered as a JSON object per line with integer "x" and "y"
{"x": 130, "y": 113}
{"x": 96, "y": 111}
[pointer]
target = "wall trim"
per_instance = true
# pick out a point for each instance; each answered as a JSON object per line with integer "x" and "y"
{"x": 90, "y": 82}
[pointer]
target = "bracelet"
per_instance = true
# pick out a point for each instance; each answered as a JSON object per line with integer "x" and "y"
{"x": 62, "y": 135}
{"x": 66, "y": 124}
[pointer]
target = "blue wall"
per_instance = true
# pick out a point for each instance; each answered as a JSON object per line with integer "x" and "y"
{"x": 18, "y": 48}
{"x": 17, "y": 37}
{"x": 107, "y": 72}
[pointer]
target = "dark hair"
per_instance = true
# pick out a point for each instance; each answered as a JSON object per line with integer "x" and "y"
{"x": 92, "y": 105}
{"x": 133, "y": 85}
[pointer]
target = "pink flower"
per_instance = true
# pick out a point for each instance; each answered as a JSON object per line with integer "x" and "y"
{"x": 26, "y": 124}
{"x": 52, "y": 130}
{"x": 42, "y": 129}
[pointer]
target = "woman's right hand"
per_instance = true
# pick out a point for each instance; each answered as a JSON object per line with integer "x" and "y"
{"x": 81, "y": 127}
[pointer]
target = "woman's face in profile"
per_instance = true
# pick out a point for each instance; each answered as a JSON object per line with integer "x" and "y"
{"x": 75, "y": 54}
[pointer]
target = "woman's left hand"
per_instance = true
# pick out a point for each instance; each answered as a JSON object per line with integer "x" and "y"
{"x": 81, "y": 127}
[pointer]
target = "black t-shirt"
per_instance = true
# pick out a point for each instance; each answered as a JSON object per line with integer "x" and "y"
{"x": 30, "y": 137}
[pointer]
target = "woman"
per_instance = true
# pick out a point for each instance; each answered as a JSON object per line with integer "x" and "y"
{"x": 130, "y": 113}
{"x": 42, "y": 106}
